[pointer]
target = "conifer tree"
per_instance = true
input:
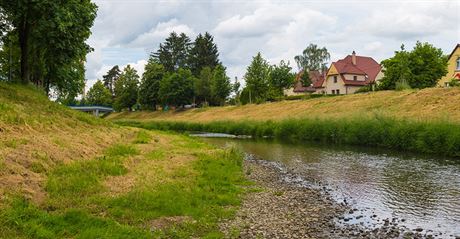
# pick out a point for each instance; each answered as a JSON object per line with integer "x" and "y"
{"x": 204, "y": 53}
{"x": 174, "y": 52}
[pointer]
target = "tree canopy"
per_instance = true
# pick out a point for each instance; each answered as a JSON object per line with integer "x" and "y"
{"x": 281, "y": 78}
{"x": 110, "y": 78}
{"x": 99, "y": 95}
{"x": 313, "y": 58}
{"x": 220, "y": 86}
{"x": 150, "y": 84}
{"x": 202, "y": 85}
{"x": 257, "y": 77}
{"x": 51, "y": 36}
{"x": 126, "y": 89}
{"x": 203, "y": 53}
{"x": 176, "y": 89}
{"x": 174, "y": 52}
{"x": 420, "y": 68}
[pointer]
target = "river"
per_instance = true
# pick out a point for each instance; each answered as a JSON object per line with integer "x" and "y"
{"x": 419, "y": 191}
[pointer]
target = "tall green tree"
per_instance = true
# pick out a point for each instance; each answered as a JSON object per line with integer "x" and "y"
{"x": 69, "y": 87}
{"x": 177, "y": 88}
{"x": 98, "y": 95}
{"x": 110, "y": 78}
{"x": 220, "y": 85}
{"x": 174, "y": 52}
{"x": 126, "y": 89}
{"x": 236, "y": 86}
{"x": 257, "y": 79}
{"x": 150, "y": 85}
{"x": 313, "y": 58}
{"x": 10, "y": 58}
{"x": 305, "y": 78}
{"x": 281, "y": 78}
{"x": 203, "y": 53}
{"x": 420, "y": 68}
{"x": 51, "y": 37}
{"x": 202, "y": 85}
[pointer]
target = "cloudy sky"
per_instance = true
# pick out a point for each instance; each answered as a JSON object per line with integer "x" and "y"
{"x": 126, "y": 31}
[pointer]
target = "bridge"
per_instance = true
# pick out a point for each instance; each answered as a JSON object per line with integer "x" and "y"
{"x": 94, "y": 109}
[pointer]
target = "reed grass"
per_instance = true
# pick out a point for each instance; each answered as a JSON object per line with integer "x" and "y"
{"x": 430, "y": 137}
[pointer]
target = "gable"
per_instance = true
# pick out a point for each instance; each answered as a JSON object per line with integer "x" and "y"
{"x": 455, "y": 53}
{"x": 332, "y": 70}
{"x": 454, "y": 56}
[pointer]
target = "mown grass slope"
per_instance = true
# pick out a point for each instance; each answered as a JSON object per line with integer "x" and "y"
{"x": 427, "y": 104}
{"x": 66, "y": 174}
{"x": 37, "y": 134}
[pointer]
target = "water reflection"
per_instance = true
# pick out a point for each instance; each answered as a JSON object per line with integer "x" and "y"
{"x": 422, "y": 190}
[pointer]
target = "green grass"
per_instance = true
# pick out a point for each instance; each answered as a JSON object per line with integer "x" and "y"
{"x": 28, "y": 105}
{"x": 430, "y": 137}
{"x": 142, "y": 137}
{"x": 24, "y": 220}
{"x": 206, "y": 190}
{"x": 205, "y": 198}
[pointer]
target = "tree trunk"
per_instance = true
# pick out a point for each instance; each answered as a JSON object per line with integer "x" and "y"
{"x": 47, "y": 86}
{"x": 24, "y": 45}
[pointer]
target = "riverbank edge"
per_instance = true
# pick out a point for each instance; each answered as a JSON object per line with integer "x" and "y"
{"x": 153, "y": 185}
{"x": 280, "y": 206}
{"x": 435, "y": 137}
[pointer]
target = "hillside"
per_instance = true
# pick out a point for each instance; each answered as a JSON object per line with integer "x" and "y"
{"x": 37, "y": 134}
{"x": 427, "y": 104}
{"x": 67, "y": 174}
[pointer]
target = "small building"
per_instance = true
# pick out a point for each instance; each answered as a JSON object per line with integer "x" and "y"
{"x": 347, "y": 75}
{"x": 453, "y": 68}
{"x": 316, "y": 78}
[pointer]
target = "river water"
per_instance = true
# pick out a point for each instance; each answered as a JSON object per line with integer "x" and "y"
{"x": 418, "y": 191}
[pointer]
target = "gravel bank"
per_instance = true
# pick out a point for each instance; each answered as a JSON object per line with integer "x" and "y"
{"x": 278, "y": 207}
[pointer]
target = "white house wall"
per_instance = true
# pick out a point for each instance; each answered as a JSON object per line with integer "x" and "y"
{"x": 350, "y": 77}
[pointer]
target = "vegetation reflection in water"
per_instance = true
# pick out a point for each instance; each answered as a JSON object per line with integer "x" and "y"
{"x": 421, "y": 191}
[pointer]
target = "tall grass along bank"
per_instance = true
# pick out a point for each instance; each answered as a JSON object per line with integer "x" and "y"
{"x": 437, "y": 137}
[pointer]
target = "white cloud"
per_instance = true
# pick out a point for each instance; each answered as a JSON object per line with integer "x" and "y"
{"x": 411, "y": 20}
{"x": 138, "y": 66}
{"x": 278, "y": 29}
{"x": 263, "y": 21}
{"x": 161, "y": 31}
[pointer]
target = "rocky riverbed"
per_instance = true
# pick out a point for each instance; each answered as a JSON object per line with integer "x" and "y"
{"x": 280, "y": 205}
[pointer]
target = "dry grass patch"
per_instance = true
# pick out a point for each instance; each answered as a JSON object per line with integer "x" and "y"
{"x": 37, "y": 135}
{"x": 426, "y": 104}
{"x": 158, "y": 161}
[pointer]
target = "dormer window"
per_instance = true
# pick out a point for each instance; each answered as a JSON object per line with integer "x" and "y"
{"x": 355, "y": 78}
{"x": 458, "y": 64}
{"x": 335, "y": 79}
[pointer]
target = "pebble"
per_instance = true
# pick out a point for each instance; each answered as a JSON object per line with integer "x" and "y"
{"x": 299, "y": 211}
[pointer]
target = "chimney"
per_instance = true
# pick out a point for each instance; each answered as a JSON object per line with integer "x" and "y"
{"x": 353, "y": 58}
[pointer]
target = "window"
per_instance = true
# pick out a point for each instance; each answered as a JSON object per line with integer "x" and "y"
{"x": 458, "y": 64}
{"x": 355, "y": 78}
{"x": 333, "y": 92}
{"x": 335, "y": 79}
{"x": 338, "y": 92}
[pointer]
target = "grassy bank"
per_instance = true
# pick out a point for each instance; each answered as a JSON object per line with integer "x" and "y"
{"x": 173, "y": 187}
{"x": 427, "y": 104}
{"x": 66, "y": 174}
{"x": 441, "y": 138}
{"x": 37, "y": 135}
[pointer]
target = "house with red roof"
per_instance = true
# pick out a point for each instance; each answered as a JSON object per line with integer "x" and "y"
{"x": 453, "y": 68}
{"x": 316, "y": 77}
{"x": 347, "y": 75}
